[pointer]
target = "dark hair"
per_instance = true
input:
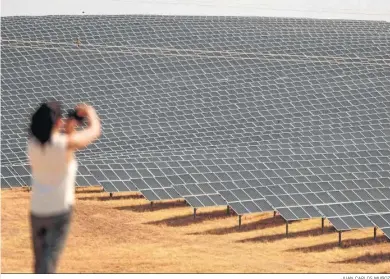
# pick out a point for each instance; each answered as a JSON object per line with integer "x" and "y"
{"x": 43, "y": 121}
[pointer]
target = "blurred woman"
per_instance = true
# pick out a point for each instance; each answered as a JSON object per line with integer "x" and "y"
{"x": 54, "y": 166}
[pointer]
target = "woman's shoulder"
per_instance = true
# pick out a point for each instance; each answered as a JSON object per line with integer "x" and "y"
{"x": 57, "y": 140}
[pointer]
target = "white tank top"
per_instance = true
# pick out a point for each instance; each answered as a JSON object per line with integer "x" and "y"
{"x": 53, "y": 178}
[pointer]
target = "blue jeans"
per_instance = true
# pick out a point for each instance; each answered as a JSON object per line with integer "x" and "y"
{"x": 49, "y": 235}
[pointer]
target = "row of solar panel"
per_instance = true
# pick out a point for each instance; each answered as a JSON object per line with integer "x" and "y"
{"x": 250, "y": 106}
{"x": 205, "y": 171}
{"x": 294, "y": 81}
{"x": 246, "y": 198}
{"x": 317, "y": 159}
{"x": 217, "y": 93}
{"x": 21, "y": 27}
{"x": 111, "y": 146}
{"x": 144, "y": 20}
{"x": 369, "y": 49}
{"x": 302, "y": 167}
{"x": 273, "y": 136}
{"x": 267, "y": 153}
{"x": 234, "y": 89}
{"x": 352, "y": 211}
{"x": 245, "y": 39}
{"x": 349, "y": 130}
{"x": 250, "y": 113}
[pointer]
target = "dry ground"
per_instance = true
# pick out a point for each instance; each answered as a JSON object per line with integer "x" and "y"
{"x": 123, "y": 235}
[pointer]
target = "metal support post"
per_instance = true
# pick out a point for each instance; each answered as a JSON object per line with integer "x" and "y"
{"x": 239, "y": 221}
{"x": 286, "y": 228}
{"x": 375, "y": 233}
{"x": 111, "y": 194}
{"x": 322, "y": 224}
{"x": 339, "y": 238}
{"x": 228, "y": 210}
{"x": 194, "y": 213}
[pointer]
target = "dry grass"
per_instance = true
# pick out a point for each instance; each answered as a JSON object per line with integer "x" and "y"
{"x": 123, "y": 235}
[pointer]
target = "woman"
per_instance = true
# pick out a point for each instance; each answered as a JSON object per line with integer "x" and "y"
{"x": 54, "y": 167}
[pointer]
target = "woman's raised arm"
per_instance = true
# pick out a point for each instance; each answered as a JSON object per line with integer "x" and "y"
{"x": 81, "y": 139}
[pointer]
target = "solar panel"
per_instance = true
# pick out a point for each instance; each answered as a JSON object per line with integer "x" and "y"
{"x": 249, "y": 207}
{"x": 351, "y": 215}
{"x": 219, "y": 118}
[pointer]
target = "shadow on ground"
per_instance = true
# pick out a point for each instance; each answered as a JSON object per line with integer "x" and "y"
{"x": 154, "y": 207}
{"x": 275, "y": 237}
{"x": 108, "y": 198}
{"x": 19, "y": 188}
{"x": 88, "y": 191}
{"x": 368, "y": 258}
{"x": 348, "y": 243}
{"x": 188, "y": 220}
{"x": 261, "y": 224}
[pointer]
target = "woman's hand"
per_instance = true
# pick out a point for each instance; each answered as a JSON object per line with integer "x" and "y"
{"x": 85, "y": 110}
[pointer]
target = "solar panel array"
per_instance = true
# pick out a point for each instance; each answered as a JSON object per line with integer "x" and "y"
{"x": 258, "y": 114}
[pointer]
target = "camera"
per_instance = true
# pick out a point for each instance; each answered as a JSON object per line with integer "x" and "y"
{"x": 72, "y": 113}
